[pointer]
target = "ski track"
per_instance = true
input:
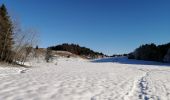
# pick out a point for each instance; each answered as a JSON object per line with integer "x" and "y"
{"x": 73, "y": 79}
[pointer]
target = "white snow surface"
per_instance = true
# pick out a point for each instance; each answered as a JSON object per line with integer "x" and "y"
{"x": 78, "y": 79}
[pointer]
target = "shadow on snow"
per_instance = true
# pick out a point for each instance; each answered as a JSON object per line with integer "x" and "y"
{"x": 125, "y": 60}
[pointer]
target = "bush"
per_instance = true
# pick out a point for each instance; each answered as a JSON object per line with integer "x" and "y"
{"x": 48, "y": 56}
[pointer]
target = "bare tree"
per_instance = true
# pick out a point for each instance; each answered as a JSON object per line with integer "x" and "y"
{"x": 25, "y": 41}
{"x": 15, "y": 43}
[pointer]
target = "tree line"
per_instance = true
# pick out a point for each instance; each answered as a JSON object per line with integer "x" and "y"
{"x": 15, "y": 43}
{"x": 76, "y": 49}
{"x": 152, "y": 52}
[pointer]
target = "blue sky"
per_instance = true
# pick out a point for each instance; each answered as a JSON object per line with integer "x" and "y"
{"x": 108, "y": 26}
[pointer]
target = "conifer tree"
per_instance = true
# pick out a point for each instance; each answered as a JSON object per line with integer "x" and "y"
{"x": 6, "y": 34}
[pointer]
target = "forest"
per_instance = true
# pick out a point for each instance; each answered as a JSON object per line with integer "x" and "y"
{"x": 152, "y": 52}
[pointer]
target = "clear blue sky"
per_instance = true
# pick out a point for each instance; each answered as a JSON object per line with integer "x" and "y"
{"x": 108, "y": 26}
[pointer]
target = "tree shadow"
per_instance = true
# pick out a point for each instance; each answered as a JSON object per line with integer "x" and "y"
{"x": 125, "y": 60}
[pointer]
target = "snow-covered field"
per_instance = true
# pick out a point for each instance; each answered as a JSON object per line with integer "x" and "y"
{"x": 77, "y": 79}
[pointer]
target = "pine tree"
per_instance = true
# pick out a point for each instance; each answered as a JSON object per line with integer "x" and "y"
{"x": 6, "y": 34}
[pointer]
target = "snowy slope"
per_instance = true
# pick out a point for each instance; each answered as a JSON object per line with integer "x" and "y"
{"x": 78, "y": 79}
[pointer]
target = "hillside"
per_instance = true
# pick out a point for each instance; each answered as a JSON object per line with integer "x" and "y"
{"x": 78, "y": 50}
{"x": 42, "y": 52}
{"x": 152, "y": 52}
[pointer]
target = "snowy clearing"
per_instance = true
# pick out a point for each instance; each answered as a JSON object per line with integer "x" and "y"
{"x": 77, "y": 79}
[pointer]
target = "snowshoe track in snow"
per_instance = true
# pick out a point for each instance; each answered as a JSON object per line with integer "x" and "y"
{"x": 143, "y": 86}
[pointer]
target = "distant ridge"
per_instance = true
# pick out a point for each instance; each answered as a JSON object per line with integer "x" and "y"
{"x": 78, "y": 50}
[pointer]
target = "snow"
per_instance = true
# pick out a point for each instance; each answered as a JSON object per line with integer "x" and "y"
{"x": 79, "y": 79}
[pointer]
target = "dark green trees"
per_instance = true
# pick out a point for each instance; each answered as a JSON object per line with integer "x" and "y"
{"x": 167, "y": 56}
{"x": 147, "y": 52}
{"x": 6, "y": 35}
{"x": 78, "y": 50}
{"x": 151, "y": 52}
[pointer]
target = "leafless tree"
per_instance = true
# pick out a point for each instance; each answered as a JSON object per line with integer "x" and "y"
{"x": 25, "y": 41}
